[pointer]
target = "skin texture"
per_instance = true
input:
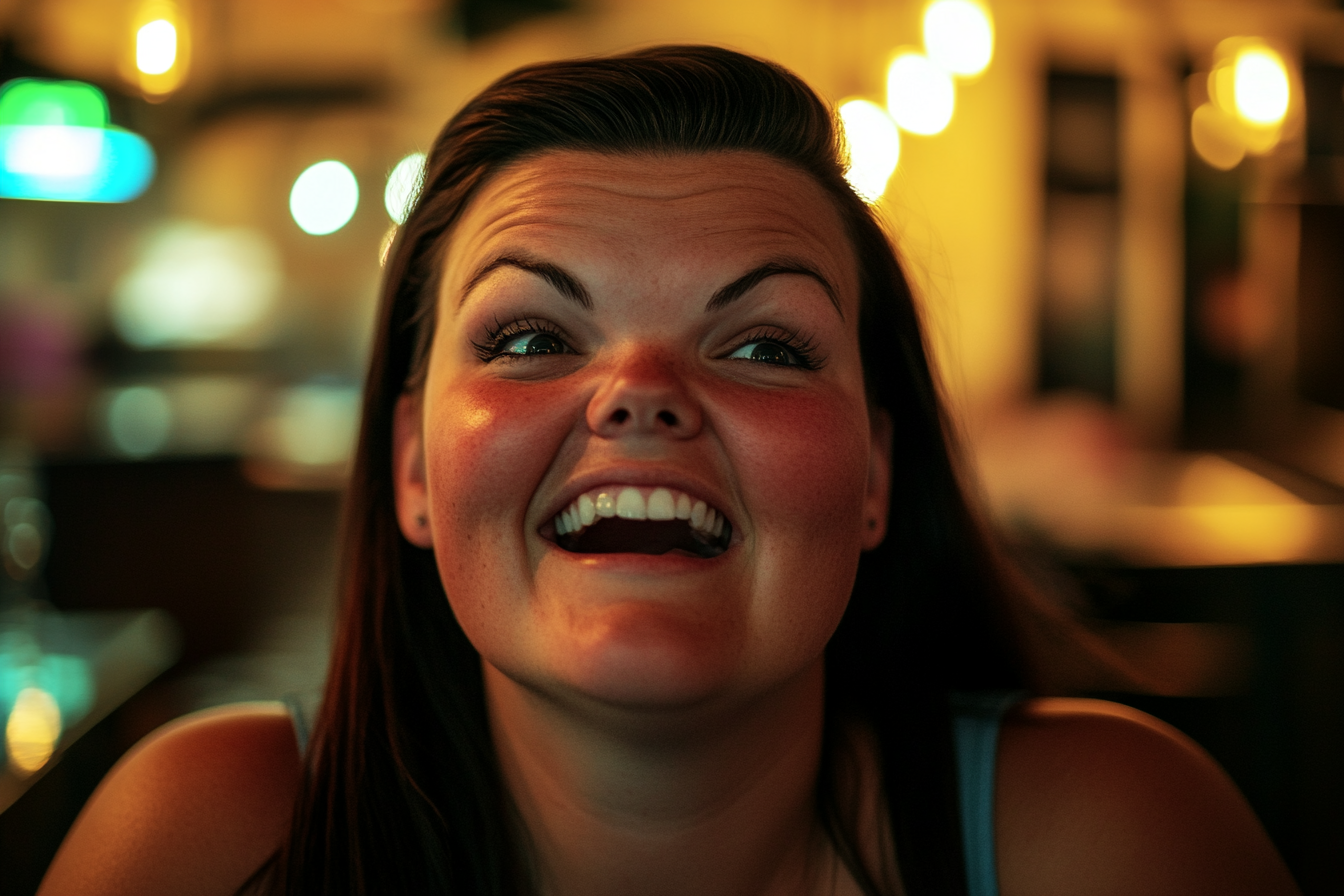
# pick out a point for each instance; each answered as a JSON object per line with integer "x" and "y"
{"x": 646, "y": 397}
{"x": 651, "y": 708}
{"x": 1098, "y": 798}
{"x": 658, "y": 718}
{"x": 193, "y": 809}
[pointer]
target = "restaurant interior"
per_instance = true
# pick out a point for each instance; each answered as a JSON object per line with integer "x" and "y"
{"x": 1125, "y": 224}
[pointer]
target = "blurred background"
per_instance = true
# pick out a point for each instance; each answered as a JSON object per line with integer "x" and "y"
{"x": 1125, "y": 221}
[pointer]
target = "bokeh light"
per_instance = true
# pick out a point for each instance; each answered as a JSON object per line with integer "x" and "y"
{"x": 56, "y": 144}
{"x": 874, "y": 147}
{"x": 195, "y": 285}
{"x": 139, "y": 421}
{"x": 920, "y": 95}
{"x": 317, "y": 424}
{"x": 959, "y": 36}
{"x": 403, "y": 186}
{"x": 1215, "y": 137}
{"x": 32, "y": 730}
{"x": 25, "y": 522}
{"x": 1260, "y": 86}
{"x": 324, "y": 197}
{"x": 156, "y": 47}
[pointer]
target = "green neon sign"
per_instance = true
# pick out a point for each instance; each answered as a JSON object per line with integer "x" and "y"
{"x": 28, "y": 101}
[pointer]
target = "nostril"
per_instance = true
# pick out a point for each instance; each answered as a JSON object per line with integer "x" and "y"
{"x": 620, "y": 415}
{"x": 667, "y": 417}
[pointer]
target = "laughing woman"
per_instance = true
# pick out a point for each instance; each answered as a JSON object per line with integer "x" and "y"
{"x": 658, "y": 576}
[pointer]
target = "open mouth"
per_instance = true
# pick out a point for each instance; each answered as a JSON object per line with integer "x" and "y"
{"x": 630, "y": 520}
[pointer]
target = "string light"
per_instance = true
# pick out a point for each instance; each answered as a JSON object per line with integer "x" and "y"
{"x": 920, "y": 95}
{"x": 959, "y": 36}
{"x": 1250, "y": 96}
{"x": 1260, "y": 86}
{"x": 874, "y": 147}
{"x": 403, "y": 185}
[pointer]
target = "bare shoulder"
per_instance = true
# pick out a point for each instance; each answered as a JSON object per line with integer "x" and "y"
{"x": 1098, "y": 798}
{"x": 194, "y": 808}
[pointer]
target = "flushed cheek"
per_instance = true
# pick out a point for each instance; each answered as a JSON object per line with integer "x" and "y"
{"x": 802, "y": 458}
{"x": 488, "y": 445}
{"x": 803, "y": 467}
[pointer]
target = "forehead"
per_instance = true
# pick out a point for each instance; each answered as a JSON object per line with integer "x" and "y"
{"x": 704, "y": 211}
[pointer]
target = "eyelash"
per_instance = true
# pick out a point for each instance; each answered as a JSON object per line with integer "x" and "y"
{"x": 802, "y": 347}
{"x": 499, "y": 334}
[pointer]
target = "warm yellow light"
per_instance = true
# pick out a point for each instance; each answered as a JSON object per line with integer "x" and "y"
{"x": 920, "y": 95}
{"x": 874, "y": 147}
{"x": 32, "y": 731}
{"x": 959, "y": 36}
{"x": 1216, "y": 137}
{"x": 1260, "y": 86}
{"x": 156, "y": 47}
{"x": 160, "y": 48}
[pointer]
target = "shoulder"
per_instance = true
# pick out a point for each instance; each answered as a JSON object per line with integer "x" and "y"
{"x": 1096, "y": 797}
{"x": 195, "y": 807}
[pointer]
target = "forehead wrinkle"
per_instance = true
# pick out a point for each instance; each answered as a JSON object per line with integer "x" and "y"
{"x": 547, "y": 193}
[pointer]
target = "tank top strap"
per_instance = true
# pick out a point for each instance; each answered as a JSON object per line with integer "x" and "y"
{"x": 975, "y": 728}
{"x": 301, "y": 717}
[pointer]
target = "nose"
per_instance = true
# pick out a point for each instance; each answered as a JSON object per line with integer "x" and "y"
{"x": 644, "y": 395}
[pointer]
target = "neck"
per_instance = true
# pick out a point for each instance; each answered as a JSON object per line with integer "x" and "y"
{"x": 713, "y": 801}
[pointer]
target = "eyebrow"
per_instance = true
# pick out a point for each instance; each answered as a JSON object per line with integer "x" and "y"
{"x": 561, "y": 280}
{"x": 568, "y": 286}
{"x": 739, "y": 287}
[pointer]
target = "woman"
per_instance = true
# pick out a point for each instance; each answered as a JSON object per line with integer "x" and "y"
{"x": 659, "y": 578}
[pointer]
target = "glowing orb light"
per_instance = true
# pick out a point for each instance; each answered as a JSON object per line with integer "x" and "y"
{"x": 56, "y": 144}
{"x": 32, "y": 730}
{"x": 139, "y": 421}
{"x": 874, "y": 147}
{"x": 403, "y": 186}
{"x": 156, "y": 47}
{"x": 195, "y": 285}
{"x": 1260, "y": 86}
{"x": 920, "y": 95}
{"x": 324, "y": 197}
{"x": 959, "y": 36}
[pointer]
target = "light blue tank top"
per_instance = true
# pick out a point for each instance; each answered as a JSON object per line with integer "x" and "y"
{"x": 975, "y": 730}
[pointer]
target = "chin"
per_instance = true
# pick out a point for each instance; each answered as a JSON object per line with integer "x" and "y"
{"x": 641, "y": 655}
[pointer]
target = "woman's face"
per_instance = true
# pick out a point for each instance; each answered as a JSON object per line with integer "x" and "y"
{"x": 642, "y": 453}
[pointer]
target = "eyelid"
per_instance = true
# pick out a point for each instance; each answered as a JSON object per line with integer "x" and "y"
{"x": 499, "y": 334}
{"x": 801, "y": 346}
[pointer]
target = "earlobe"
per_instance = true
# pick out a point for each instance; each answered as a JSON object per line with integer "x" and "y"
{"x": 877, "y": 499}
{"x": 408, "y": 472}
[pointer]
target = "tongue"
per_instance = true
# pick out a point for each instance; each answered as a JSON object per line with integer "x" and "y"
{"x": 619, "y": 536}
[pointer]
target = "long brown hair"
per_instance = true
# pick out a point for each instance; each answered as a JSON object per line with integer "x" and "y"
{"x": 403, "y": 792}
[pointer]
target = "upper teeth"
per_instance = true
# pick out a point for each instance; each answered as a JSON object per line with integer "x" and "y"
{"x": 630, "y": 503}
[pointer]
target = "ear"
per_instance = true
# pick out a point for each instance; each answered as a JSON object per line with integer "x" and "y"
{"x": 877, "y": 498}
{"x": 408, "y": 471}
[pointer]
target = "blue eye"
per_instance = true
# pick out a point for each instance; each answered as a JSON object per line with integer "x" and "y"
{"x": 767, "y": 352}
{"x": 532, "y": 344}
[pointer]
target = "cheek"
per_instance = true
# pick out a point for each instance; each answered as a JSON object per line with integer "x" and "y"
{"x": 488, "y": 445}
{"x": 802, "y": 459}
{"x": 803, "y": 467}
